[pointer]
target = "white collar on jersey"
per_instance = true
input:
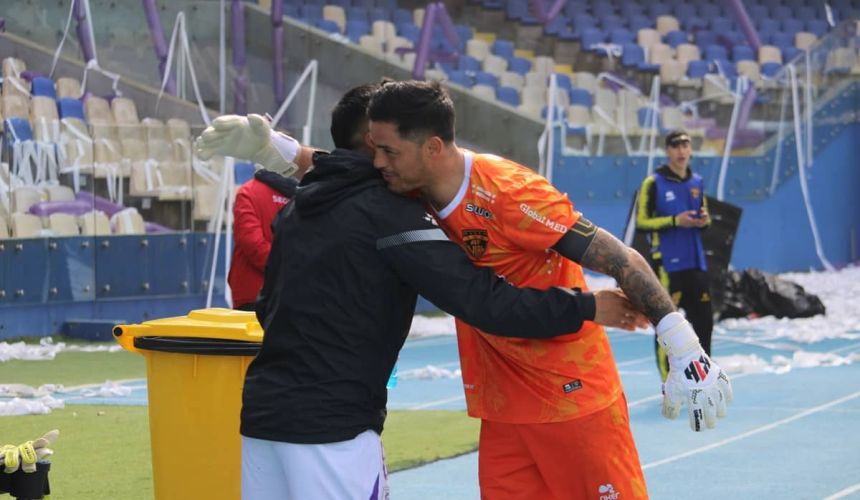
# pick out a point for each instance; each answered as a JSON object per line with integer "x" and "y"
{"x": 467, "y": 173}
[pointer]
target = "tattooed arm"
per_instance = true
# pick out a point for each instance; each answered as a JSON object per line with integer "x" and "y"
{"x": 597, "y": 250}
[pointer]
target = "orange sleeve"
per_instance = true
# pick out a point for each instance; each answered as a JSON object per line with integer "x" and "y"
{"x": 534, "y": 214}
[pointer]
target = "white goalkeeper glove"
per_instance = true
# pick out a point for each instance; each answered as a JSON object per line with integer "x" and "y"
{"x": 693, "y": 377}
{"x": 27, "y": 454}
{"x": 249, "y": 138}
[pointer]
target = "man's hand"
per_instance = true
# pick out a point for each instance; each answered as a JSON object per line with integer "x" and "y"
{"x": 613, "y": 309}
{"x": 693, "y": 377}
{"x": 248, "y": 138}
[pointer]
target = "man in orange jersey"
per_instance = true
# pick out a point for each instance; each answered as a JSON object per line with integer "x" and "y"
{"x": 554, "y": 420}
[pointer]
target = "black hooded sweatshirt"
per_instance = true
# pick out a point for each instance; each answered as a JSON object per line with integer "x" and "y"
{"x": 348, "y": 260}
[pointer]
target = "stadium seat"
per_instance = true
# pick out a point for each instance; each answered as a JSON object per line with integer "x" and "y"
{"x": 99, "y": 117}
{"x": 126, "y": 118}
{"x": 61, "y": 224}
{"x": 816, "y": 26}
{"x": 580, "y": 97}
{"x": 68, "y": 88}
{"x": 659, "y": 53}
{"x": 508, "y": 95}
{"x": 519, "y": 65}
{"x": 632, "y": 55}
{"x": 713, "y": 52}
{"x": 13, "y": 67}
{"x": 511, "y": 79}
{"x": 804, "y": 40}
{"x": 621, "y": 36}
{"x": 751, "y": 70}
{"x": 16, "y": 106}
{"x": 327, "y": 25}
{"x": 24, "y": 197}
{"x": 687, "y": 52}
{"x": 770, "y": 69}
{"x": 486, "y": 78}
{"x": 647, "y": 37}
{"x": 4, "y": 229}
{"x": 486, "y": 91}
{"x": 742, "y": 53}
{"x": 70, "y": 108}
{"x": 13, "y": 85}
{"x": 128, "y": 221}
{"x": 672, "y": 71}
{"x": 94, "y": 223}
{"x": 479, "y": 49}
{"x": 26, "y": 226}
{"x": 503, "y": 48}
{"x": 460, "y": 78}
{"x": 494, "y": 64}
{"x": 585, "y": 80}
{"x": 667, "y": 24}
{"x": 58, "y": 192}
{"x": 336, "y": 14}
{"x": 697, "y": 69}
{"x": 356, "y": 28}
{"x": 44, "y": 86}
{"x": 544, "y": 65}
{"x": 769, "y": 53}
{"x": 675, "y": 38}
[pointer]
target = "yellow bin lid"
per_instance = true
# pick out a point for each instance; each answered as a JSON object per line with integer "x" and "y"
{"x": 214, "y": 323}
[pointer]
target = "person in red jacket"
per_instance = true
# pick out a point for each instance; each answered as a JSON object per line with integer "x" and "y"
{"x": 257, "y": 203}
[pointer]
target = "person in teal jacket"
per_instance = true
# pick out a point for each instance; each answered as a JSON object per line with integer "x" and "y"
{"x": 673, "y": 210}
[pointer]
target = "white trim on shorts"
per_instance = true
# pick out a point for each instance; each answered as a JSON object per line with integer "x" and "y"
{"x": 346, "y": 470}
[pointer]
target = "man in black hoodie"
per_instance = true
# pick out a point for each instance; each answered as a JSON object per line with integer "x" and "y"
{"x": 348, "y": 260}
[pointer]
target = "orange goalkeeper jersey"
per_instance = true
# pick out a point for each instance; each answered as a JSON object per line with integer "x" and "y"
{"x": 508, "y": 217}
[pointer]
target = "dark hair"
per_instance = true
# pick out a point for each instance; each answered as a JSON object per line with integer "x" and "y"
{"x": 676, "y": 137}
{"x": 349, "y": 117}
{"x": 419, "y": 109}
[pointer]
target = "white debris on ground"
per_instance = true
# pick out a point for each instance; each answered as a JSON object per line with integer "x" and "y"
{"x": 429, "y": 372}
{"x": 40, "y": 400}
{"x": 46, "y": 350}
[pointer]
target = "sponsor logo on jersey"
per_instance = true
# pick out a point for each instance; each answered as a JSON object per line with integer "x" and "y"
{"x": 607, "y": 492}
{"x": 483, "y": 193}
{"x": 695, "y": 192}
{"x": 475, "y": 241}
{"x": 542, "y": 219}
{"x": 480, "y": 211}
{"x": 573, "y": 385}
{"x": 280, "y": 200}
{"x": 670, "y": 196}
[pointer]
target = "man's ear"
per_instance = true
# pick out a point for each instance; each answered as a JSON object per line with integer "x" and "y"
{"x": 434, "y": 145}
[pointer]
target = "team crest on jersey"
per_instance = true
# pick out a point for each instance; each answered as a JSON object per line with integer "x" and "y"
{"x": 475, "y": 241}
{"x": 695, "y": 192}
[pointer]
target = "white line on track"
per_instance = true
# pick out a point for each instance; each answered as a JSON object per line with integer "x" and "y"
{"x": 844, "y": 493}
{"x": 752, "y": 432}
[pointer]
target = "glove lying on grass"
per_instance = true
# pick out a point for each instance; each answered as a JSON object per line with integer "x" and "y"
{"x": 27, "y": 454}
{"x": 248, "y": 138}
{"x": 693, "y": 378}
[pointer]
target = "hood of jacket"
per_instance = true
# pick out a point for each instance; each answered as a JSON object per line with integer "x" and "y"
{"x": 335, "y": 176}
{"x": 284, "y": 185}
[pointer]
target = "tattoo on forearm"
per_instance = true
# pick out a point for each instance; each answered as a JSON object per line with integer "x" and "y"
{"x": 609, "y": 256}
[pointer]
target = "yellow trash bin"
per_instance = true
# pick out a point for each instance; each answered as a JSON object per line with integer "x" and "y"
{"x": 195, "y": 368}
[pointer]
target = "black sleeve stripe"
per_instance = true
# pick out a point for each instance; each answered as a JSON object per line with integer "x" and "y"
{"x": 576, "y": 240}
{"x": 411, "y": 237}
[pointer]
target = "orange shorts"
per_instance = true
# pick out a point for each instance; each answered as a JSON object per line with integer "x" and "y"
{"x": 593, "y": 457}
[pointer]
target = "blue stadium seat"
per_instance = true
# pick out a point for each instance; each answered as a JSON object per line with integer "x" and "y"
{"x": 709, "y": 10}
{"x": 697, "y": 69}
{"x": 243, "y": 172}
{"x": 767, "y": 26}
{"x": 409, "y": 31}
{"x": 603, "y": 9}
{"x": 789, "y": 52}
{"x": 817, "y": 26}
{"x": 44, "y": 86}
{"x": 621, "y": 36}
{"x": 805, "y": 12}
{"x": 485, "y": 78}
{"x": 519, "y": 65}
{"x": 657, "y": 9}
{"x": 610, "y": 23}
{"x": 716, "y": 52}
{"x": 770, "y": 69}
{"x": 70, "y": 108}
{"x": 782, "y": 40}
{"x": 402, "y": 16}
{"x": 792, "y": 26}
{"x": 311, "y": 13}
{"x": 559, "y": 113}
{"x": 683, "y": 11}
{"x": 758, "y": 13}
{"x": 721, "y": 24}
{"x": 743, "y": 53}
{"x": 632, "y": 55}
{"x": 357, "y": 14}
{"x": 468, "y": 63}
{"x": 327, "y": 25}
{"x": 465, "y": 33}
{"x": 508, "y": 95}
{"x": 637, "y": 23}
{"x": 18, "y": 129}
{"x": 562, "y": 81}
{"x": 675, "y": 38}
{"x": 378, "y": 14}
{"x": 555, "y": 26}
{"x": 592, "y": 36}
{"x": 580, "y": 97}
{"x": 460, "y": 78}
{"x": 503, "y": 48}
{"x": 291, "y": 11}
{"x": 355, "y": 29}
{"x": 781, "y": 12}
{"x": 727, "y": 68}
{"x": 645, "y": 117}
{"x": 705, "y": 38}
